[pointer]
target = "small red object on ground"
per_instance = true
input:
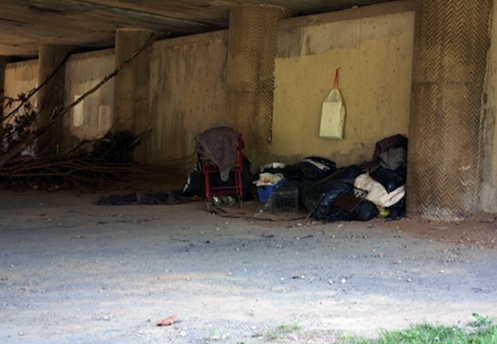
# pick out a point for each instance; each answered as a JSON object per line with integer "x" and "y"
{"x": 168, "y": 321}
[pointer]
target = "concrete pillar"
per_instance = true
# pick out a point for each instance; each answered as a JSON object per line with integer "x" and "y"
{"x": 3, "y": 65}
{"x": 51, "y": 96}
{"x": 489, "y": 188}
{"x": 132, "y": 85}
{"x": 250, "y": 75}
{"x": 445, "y": 135}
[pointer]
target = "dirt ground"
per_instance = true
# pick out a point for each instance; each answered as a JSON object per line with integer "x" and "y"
{"x": 72, "y": 271}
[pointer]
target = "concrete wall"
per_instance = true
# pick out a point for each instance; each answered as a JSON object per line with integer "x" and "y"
{"x": 372, "y": 46}
{"x": 188, "y": 93}
{"x": 20, "y": 78}
{"x": 93, "y": 117}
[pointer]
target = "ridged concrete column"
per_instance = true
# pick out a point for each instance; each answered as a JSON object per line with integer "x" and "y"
{"x": 3, "y": 65}
{"x": 51, "y": 97}
{"x": 488, "y": 193}
{"x": 250, "y": 75}
{"x": 132, "y": 85}
{"x": 445, "y": 152}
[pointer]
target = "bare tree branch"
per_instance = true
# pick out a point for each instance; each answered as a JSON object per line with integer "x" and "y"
{"x": 23, "y": 99}
{"x": 59, "y": 113}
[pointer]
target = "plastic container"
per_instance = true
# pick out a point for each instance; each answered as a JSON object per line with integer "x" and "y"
{"x": 266, "y": 191}
{"x": 286, "y": 200}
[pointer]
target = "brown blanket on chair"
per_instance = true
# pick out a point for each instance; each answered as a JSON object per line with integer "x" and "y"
{"x": 218, "y": 145}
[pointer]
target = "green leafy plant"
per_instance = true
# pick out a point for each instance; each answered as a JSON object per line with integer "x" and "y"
{"x": 482, "y": 321}
{"x": 280, "y": 331}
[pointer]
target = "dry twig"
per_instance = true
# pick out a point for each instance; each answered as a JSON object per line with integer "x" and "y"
{"x": 59, "y": 113}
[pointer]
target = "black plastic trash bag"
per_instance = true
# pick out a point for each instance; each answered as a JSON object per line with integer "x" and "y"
{"x": 290, "y": 172}
{"x": 390, "y": 180}
{"x": 318, "y": 198}
{"x": 397, "y": 210}
{"x": 365, "y": 211}
{"x": 383, "y": 146}
{"x": 315, "y": 168}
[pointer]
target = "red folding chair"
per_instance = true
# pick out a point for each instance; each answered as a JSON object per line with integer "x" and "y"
{"x": 230, "y": 191}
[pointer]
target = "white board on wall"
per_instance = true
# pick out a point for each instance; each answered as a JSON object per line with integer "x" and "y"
{"x": 332, "y": 116}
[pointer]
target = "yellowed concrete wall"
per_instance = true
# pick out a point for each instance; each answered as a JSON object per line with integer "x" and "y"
{"x": 188, "y": 93}
{"x": 372, "y": 47}
{"x": 20, "y": 81}
{"x": 93, "y": 116}
{"x": 20, "y": 78}
{"x": 83, "y": 71}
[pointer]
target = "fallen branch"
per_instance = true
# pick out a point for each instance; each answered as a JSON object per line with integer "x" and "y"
{"x": 59, "y": 113}
{"x": 23, "y": 98}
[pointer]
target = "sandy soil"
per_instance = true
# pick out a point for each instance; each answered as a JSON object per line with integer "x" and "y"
{"x": 75, "y": 272}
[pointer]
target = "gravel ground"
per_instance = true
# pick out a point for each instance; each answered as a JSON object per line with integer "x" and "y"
{"x": 75, "y": 272}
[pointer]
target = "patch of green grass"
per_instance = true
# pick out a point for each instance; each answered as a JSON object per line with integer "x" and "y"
{"x": 280, "y": 331}
{"x": 481, "y": 331}
{"x": 218, "y": 334}
{"x": 482, "y": 321}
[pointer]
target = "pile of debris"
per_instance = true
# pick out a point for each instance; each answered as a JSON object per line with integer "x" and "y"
{"x": 354, "y": 193}
{"x": 91, "y": 165}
